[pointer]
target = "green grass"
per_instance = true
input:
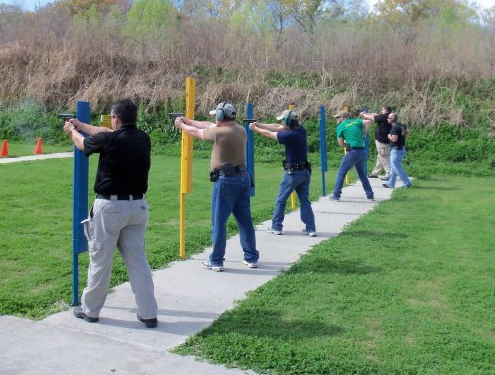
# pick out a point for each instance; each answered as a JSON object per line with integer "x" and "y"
{"x": 407, "y": 289}
{"x": 17, "y": 149}
{"x": 36, "y": 226}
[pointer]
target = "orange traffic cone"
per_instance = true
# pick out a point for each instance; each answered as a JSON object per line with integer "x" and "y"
{"x": 5, "y": 148}
{"x": 37, "y": 149}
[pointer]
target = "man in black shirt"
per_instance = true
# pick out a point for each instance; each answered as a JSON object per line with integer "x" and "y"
{"x": 381, "y": 141}
{"x": 397, "y": 136}
{"x": 119, "y": 215}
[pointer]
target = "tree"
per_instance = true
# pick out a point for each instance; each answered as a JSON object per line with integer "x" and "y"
{"x": 404, "y": 15}
{"x": 83, "y": 6}
{"x": 148, "y": 18}
{"x": 307, "y": 13}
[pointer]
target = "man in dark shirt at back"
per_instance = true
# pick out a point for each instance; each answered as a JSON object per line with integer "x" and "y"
{"x": 397, "y": 136}
{"x": 382, "y": 142}
{"x": 119, "y": 215}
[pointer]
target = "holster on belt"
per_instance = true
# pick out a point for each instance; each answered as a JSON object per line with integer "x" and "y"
{"x": 296, "y": 166}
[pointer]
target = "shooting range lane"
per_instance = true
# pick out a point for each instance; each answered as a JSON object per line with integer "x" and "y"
{"x": 189, "y": 299}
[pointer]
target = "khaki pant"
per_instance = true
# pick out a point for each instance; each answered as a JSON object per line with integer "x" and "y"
{"x": 382, "y": 159}
{"x": 120, "y": 224}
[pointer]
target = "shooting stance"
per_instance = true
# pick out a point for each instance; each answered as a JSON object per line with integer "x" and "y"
{"x": 352, "y": 132}
{"x": 119, "y": 215}
{"x": 231, "y": 182}
{"x": 297, "y": 169}
{"x": 397, "y": 136}
{"x": 382, "y": 142}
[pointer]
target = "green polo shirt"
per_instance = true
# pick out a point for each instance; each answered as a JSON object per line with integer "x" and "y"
{"x": 352, "y": 132}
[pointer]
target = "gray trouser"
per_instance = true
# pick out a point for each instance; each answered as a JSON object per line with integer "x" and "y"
{"x": 120, "y": 224}
{"x": 383, "y": 158}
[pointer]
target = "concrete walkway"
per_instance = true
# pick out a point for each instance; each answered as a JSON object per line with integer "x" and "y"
{"x": 189, "y": 298}
{"x": 37, "y": 157}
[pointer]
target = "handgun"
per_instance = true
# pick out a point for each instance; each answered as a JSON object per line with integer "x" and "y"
{"x": 174, "y": 115}
{"x": 66, "y": 116}
{"x": 249, "y": 120}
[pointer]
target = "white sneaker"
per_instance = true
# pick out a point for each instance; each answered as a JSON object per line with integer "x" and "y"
{"x": 310, "y": 234}
{"x": 206, "y": 264}
{"x": 385, "y": 177}
{"x": 273, "y": 231}
{"x": 249, "y": 264}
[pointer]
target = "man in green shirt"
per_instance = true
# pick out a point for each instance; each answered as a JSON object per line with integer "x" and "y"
{"x": 350, "y": 134}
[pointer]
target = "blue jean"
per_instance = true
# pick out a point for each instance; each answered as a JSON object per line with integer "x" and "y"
{"x": 357, "y": 159}
{"x": 396, "y": 157}
{"x": 298, "y": 181}
{"x": 230, "y": 195}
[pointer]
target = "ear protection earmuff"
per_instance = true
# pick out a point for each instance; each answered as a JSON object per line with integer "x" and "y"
{"x": 287, "y": 119}
{"x": 221, "y": 113}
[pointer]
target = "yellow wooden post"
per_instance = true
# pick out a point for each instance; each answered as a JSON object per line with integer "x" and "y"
{"x": 347, "y": 178}
{"x": 186, "y": 164}
{"x": 106, "y": 121}
{"x": 293, "y": 203}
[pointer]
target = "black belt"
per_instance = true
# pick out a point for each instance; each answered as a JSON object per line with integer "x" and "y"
{"x": 296, "y": 166}
{"x": 355, "y": 148}
{"x": 120, "y": 197}
{"x": 237, "y": 170}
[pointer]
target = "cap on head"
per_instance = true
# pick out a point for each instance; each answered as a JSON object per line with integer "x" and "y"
{"x": 343, "y": 114}
{"x": 224, "y": 112}
{"x": 291, "y": 118}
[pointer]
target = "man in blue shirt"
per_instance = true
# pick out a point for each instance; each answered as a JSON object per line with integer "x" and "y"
{"x": 297, "y": 169}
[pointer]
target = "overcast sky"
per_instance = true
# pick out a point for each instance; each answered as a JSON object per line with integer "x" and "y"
{"x": 33, "y": 4}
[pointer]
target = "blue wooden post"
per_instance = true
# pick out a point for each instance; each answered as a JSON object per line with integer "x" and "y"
{"x": 80, "y": 204}
{"x": 250, "y": 145}
{"x": 323, "y": 148}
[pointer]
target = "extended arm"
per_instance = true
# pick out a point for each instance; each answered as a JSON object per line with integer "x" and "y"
{"x": 264, "y": 132}
{"x": 270, "y": 127}
{"x": 369, "y": 116}
{"x": 87, "y": 128}
{"x": 195, "y": 123}
{"x": 193, "y": 127}
{"x": 77, "y": 137}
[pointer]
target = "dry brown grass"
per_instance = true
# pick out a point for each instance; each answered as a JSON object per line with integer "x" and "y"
{"x": 48, "y": 57}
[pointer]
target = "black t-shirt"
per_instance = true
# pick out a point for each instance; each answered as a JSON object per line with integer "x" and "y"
{"x": 124, "y": 160}
{"x": 382, "y": 128}
{"x": 399, "y": 130}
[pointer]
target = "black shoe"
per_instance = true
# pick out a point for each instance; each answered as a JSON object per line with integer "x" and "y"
{"x": 149, "y": 323}
{"x": 370, "y": 198}
{"x": 372, "y": 176}
{"x": 79, "y": 313}
{"x": 386, "y": 186}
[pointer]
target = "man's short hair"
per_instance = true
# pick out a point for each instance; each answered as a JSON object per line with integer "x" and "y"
{"x": 343, "y": 114}
{"x": 393, "y": 116}
{"x": 387, "y": 108}
{"x": 126, "y": 110}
